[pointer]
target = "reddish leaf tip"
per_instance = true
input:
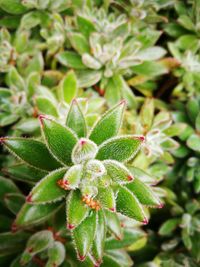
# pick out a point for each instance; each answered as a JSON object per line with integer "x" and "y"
{"x": 74, "y": 101}
{"x": 70, "y": 226}
{"x": 112, "y": 209}
{"x": 29, "y": 198}
{"x": 82, "y": 142}
{"x": 145, "y": 221}
{"x": 30, "y": 250}
{"x": 14, "y": 227}
{"x": 123, "y": 102}
{"x": 41, "y": 118}
{"x": 2, "y": 140}
{"x": 141, "y": 138}
{"x": 130, "y": 178}
{"x": 160, "y": 206}
{"x": 81, "y": 258}
{"x": 118, "y": 238}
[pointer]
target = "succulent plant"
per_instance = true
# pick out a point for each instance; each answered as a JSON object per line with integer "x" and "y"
{"x": 87, "y": 170}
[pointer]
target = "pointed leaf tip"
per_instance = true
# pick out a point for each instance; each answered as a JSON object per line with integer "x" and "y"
{"x": 145, "y": 221}
{"x": 81, "y": 258}
{"x": 29, "y": 198}
{"x": 160, "y": 206}
{"x": 70, "y": 226}
{"x": 14, "y": 227}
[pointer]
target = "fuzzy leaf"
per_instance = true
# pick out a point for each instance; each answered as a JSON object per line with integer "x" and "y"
{"x": 106, "y": 198}
{"x": 69, "y": 87}
{"x": 73, "y": 176}
{"x": 47, "y": 190}
{"x": 84, "y": 235}
{"x": 84, "y": 150}
{"x": 95, "y": 168}
{"x": 143, "y": 193}
{"x": 79, "y": 42}
{"x": 118, "y": 172}
{"x": 121, "y": 148}
{"x": 77, "y": 211}
{"x": 109, "y": 124}
{"x": 34, "y": 214}
{"x": 128, "y": 205}
{"x": 113, "y": 223}
{"x": 85, "y": 26}
{"x": 46, "y": 106}
{"x": 99, "y": 240}
{"x": 56, "y": 255}
{"x": 32, "y": 152}
{"x": 71, "y": 60}
{"x": 75, "y": 119}
{"x": 60, "y": 139}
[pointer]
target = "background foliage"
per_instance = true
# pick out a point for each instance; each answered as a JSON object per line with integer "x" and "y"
{"x": 101, "y": 53}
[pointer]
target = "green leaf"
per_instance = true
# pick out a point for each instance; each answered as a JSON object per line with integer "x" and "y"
{"x": 151, "y": 53}
{"x": 117, "y": 171}
{"x": 32, "y": 152}
{"x": 85, "y": 26}
{"x": 75, "y": 120}
{"x": 99, "y": 240}
{"x": 108, "y": 125}
{"x": 106, "y": 198}
{"x": 192, "y": 109}
{"x": 69, "y": 87}
{"x": 91, "y": 62}
{"x": 77, "y": 211}
{"x": 122, "y": 148}
{"x": 169, "y": 226}
{"x": 13, "y": 6}
{"x": 60, "y": 139}
{"x": 87, "y": 78}
{"x": 56, "y": 255}
{"x": 147, "y": 113}
{"x": 117, "y": 258}
{"x": 47, "y": 190}
{"x": 71, "y": 60}
{"x": 46, "y": 106}
{"x": 36, "y": 244}
{"x": 197, "y": 122}
{"x": 15, "y": 80}
{"x": 84, "y": 150}
{"x": 143, "y": 193}
{"x": 9, "y": 240}
{"x": 193, "y": 142}
{"x": 34, "y": 214}
{"x": 73, "y": 176}
{"x": 79, "y": 42}
{"x": 84, "y": 235}
{"x": 14, "y": 202}
{"x": 113, "y": 224}
{"x": 113, "y": 92}
{"x": 128, "y": 205}
{"x": 7, "y": 186}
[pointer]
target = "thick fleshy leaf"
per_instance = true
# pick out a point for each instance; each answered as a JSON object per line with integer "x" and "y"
{"x": 113, "y": 224}
{"x": 71, "y": 59}
{"x": 143, "y": 193}
{"x": 47, "y": 190}
{"x": 130, "y": 236}
{"x": 95, "y": 168}
{"x": 117, "y": 171}
{"x": 99, "y": 240}
{"x": 109, "y": 124}
{"x": 14, "y": 202}
{"x": 69, "y": 87}
{"x": 84, "y": 150}
{"x": 121, "y": 148}
{"x": 79, "y": 42}
{"x": 7, "y": 186}
{"x": 169, "y": 226}
{"x": 73, "y": 176}
{"x": 60, "y": 139}
{"x": 34, "y": 214}
{"x": 46, "y": 106}
{"x": 193, "y": 142}
{"x": 147, "y": 113}
{"x": 84, "y": 235}
{"x": 77, "y": 211}
{"x": 117, "y": 258}
{"x": 106, "y": 198}
{"x": 75, "y": 119}
{"x": 56, "y": 255}
{"x": 85, "y": 26}
{"x": 128, "y": 205}
{"x": 37, "y": 243}
{"x": 32, "y": 152}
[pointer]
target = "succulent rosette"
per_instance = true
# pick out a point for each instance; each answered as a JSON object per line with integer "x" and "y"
{"x": 90, "y": 172}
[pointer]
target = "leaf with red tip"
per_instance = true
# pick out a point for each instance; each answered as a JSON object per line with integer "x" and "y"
{"x": 77, "y": 211}
{"x": 122, "y": 148}
{"x": 108, "y": 125}
{"x": 143, "y": 193}
{"x": 99, "y": 240}
{"x": 113, "y": 224}
{"x": 118, "y": 172}
{"x": 128, "y": 205}
{"x": 75, "y": 120}
{"x": 106, "y": 198}
{"x": 56, "y": 255}
{"x": 31, "y": 151}
{"x": 84, "y": 235}
{"x": 47, "y": 190}
{"x": 60, "y": 139}
{"x": 73, "y": 176}
{"x": 35, "y": 214}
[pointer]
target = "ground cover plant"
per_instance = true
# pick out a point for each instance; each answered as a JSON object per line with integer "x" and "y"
{"x": 99, "y": 133}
